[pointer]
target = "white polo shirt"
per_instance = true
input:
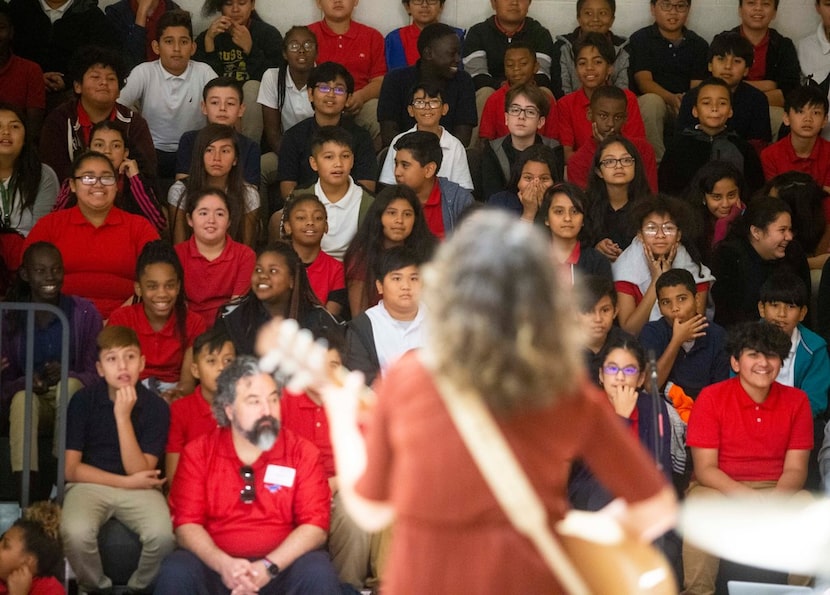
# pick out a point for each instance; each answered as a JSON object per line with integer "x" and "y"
{"x": 296, "y": 106}
{"x": 342, "y": 219}
{"x": 393, "y": 337}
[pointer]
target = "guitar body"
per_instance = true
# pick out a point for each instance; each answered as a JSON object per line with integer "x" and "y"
{"x": 611, "y": 563}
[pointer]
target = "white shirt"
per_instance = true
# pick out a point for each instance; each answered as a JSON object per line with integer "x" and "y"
{"x": 814, "y": 57}
{"x": 176, "y": 194}
{"x": 342, "y": 219}
{"x": 454, "y": 165}
{"x": 171, "y": 104}
{"x": 787, "y": 374}
{"x": 393, "y": 337}
{"x": 55, "y": 13}
{"x": 296, "y": 107}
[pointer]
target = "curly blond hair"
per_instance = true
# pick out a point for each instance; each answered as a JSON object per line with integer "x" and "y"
{"x": 41, "y": 536}
{"x": 499, "y": 321}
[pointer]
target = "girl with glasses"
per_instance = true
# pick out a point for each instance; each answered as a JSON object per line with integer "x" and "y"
{"x": 660, "y": 244}
{"x": 616, "y": 182}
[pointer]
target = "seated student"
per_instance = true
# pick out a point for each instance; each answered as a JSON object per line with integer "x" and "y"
{"x": 217, "y": 269}
{"x": 135, "y": 24}
{"x": 51, "y": 33}
{"x": 812, "y": 55}
{"x": 401, "y": 45}
{"x": 215, "y": 165}
{"x": 666, "y": 59}
{"x": 395, "y": 218}
{"x": 329, "y": 87}
{"x": 593, "y": 16}
{"x": 617, "y": 182}
{"x": 524, "y": 112}
{"x": 427, "y": 107}
{"x": 304, "y": 225}
{"x": 783, "y": 301}
{"x": 164, "y": 326}
{"x": 99, "y": 243}
{"x": 563, "y": 212}
{"x": 383, "y": 333}
{"x": 758, "y": 244}
{"x": 417, "y": 161}
{"x": 731, "y": 456}
{"x": 222, "y": 103}
{"x": 709, "y": 140}
{"x": 690, "y": 347}
{"x": 28, "y": 186}
{"x": 520, "y": 65}
{"x": 279, "y": 287}
{"x": 535, "y": 170}
{"x": 594, "y": 57}
{"x": 775, "y": 70}
{"x": 135, "y": 190}
{"x": 803, "y": 149}
{"x": 191, "y": 416}
{"x": 21, "y": 80}
{"x": 97, "y": 75}
{"x": 168, "y": 89}
{"x": 359, "y": 48}
{"x": 715, "y": 195}
{"x": 33, "y": 559}
{"x": 283, "y": 94}
{"x": 597, "y": 313}
{"x": 40, "y": 280}
{"x": 659, "y": 245}
{"x": 240, "y": 45}
{"x": 730, "y": 58}
{"x": 439, "y": 48}
{"x": 607, "y": 114}
{"x": 115, "y": 435}
{"x": 332, "y": 159}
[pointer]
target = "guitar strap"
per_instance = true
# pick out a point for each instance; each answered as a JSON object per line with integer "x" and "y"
{"x": 506, "y": 479}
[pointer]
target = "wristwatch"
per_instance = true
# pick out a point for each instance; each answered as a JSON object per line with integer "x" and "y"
{"x": 272, "y": 568}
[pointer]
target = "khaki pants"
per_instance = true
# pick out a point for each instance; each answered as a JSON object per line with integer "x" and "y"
{"x": 251, "y": 124}
{"x": 43, "y": 421}
{"x": 88, "y": 506}
{"x": 655, "y": 117}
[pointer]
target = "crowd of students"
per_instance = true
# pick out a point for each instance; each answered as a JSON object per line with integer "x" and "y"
{"x": 193, "y": 187}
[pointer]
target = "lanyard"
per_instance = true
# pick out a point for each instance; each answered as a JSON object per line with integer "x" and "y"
{"x": 5, "y": 196}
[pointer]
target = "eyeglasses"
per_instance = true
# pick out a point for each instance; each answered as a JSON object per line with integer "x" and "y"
{"x": 432, "y": 103}
{"x": 613, "y": 370}
{"x": 88, "y": 180}
{"x": 680, "y": 7}
{"x": 611, "y": 163}
{"x": 325, "y": 89}
{"x": 296, "y": 46}
{"x": 422, "y": 2}
{"x": 517, "y": 110}
{"x": 668, "y": 229}
{"x": 248, "y": 493}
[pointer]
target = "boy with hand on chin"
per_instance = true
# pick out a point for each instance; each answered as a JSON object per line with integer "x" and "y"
{"x": 115, "y": 435}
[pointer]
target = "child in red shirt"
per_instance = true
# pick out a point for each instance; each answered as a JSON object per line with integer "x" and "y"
{"x": 31, "y": 555}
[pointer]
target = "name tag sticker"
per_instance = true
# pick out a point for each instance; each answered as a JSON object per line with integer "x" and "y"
{"x": 279, "y": 475}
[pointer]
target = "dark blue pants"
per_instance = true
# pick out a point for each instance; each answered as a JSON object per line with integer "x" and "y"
{"x": 182, "y": 573}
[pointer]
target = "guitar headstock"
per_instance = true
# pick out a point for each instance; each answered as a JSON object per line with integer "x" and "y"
{"x": 291, "y": 353}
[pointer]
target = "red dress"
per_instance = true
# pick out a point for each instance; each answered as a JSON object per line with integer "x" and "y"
{"x": 450, "y": 535}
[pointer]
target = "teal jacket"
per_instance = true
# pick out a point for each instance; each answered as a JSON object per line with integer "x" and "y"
{"x": 812, "y": 369}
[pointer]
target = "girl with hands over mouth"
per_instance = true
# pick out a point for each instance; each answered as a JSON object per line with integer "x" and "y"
{"x": 662, "y": 242}
{"x": 534, "y": 171}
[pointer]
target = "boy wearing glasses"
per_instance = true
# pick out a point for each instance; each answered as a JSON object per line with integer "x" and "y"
{"x": 594, "y": 57}
{"x": 440, "y": 56}
{"x": 250, "y": 500}
{"x": 690, "y": 347}
{"x": 329, "y": 87}
{"x": 667, "y": 59}
{"x": 115, "y": 435}
{"x": 401, "y": 45}
{"x": 749, "y": 435}
{"x": 607, "y": 114}
{"x": 428, "y": 107}
{"x": 711, "y": 139}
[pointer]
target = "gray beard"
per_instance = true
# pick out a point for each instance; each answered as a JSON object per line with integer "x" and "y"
{"x": 264, "y": 433}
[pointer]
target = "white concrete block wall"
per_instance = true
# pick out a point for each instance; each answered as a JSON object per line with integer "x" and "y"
{"x": 796, "y": 18}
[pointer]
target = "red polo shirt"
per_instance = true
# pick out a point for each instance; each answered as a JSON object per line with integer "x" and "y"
{"x": 206, "y": 488}
{"x": 758, "y": 71}
{"x": 325, "y": 275}
{"x": 752, "y": 438}
{"x": 21, "y": 84}
{"x": 575, "y": 127}
{"x": 780, "y": 157}
{"x": 434, "y": 213}
{"x": 360, "y": 50}
{"x": 190, "y": 417}
{"x": 492, "y": 124}
{"x": 306, "y": 418}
